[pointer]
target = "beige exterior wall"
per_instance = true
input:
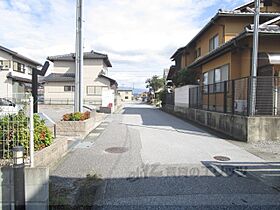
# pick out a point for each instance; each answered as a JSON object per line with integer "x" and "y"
{"x": 240, "y": 59}
{"x": 275, "y": 7}
{"x": 215, "y": 63}
{"x": 92, "y": 69}
{"x": 54, "y": 92}
{"x": 126, "y": 95}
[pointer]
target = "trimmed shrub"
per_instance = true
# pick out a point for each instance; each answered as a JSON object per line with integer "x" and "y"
{"x": 77, "y": 116}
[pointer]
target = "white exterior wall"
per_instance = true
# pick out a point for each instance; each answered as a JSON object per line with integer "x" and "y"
{"x": 125, "y": 93}
{"x": 6, "y": 85}
{"x": 182, "y": 96}
{"x": 54, "y": 91}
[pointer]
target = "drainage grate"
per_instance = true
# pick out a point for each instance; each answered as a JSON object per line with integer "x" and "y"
{"x": 222, "y": 158}
{"x": 116, "y": 150}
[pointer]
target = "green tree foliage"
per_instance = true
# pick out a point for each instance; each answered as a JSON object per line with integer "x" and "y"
{"x": 185, "y": 77}
{"x": 155, "y": 83}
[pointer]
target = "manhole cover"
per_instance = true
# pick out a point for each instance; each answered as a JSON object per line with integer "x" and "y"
{"x": 116, "y": 150}
{"x": 222, "y": 158}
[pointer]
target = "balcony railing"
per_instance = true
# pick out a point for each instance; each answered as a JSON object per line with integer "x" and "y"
{"x": 235, "y": 96}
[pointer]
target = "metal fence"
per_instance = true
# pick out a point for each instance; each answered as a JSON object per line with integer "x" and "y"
{"x": 53, "y": 101}
{"x": 169, "y": 98}
{"x": 235, "y": 96}
{"x": 16, "y": 129}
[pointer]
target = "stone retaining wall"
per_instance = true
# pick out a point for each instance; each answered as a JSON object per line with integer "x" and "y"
{"x": 242, "y": 128}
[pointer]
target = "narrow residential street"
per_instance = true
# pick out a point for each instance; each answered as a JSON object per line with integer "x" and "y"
{"x": 148, "y": 159}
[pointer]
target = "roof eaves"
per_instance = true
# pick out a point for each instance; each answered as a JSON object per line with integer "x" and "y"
{"x": 222, "y": 49}
{"x": 244, "y": 5}
{"x": 219, "y": 14}
{"x": 197, "y": 35}
{"x": 17, "y": 55}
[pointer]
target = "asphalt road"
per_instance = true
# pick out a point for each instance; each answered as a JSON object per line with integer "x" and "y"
{"x": 163, "y": 162}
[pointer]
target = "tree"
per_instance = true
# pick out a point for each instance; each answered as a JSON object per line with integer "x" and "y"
{"x": 155, "y": 83}
{"x": 186, "y": 77}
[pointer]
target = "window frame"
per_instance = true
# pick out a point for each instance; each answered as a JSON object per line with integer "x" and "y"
{"x": 71, "y": 88}
{"x": 212, "y": 42}
{"x": 6, "y": 64}
{"x": 95, "y": 93}
{"x": 217, "y": 86}
{"x": 18, "y": 67}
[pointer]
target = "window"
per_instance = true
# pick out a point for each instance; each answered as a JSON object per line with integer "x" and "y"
{"x": 214, "y": 78}
{"x": 221, "y": 75}
{"x": 197, "y": 52}
{"x": 6, "y": 64}
{"x": 95, "y": 90}
{"x": 214, "y": 43}
{"x": 18, "y": 67}
{"x": 29, "y": 70}
{"x": 69, "y": 88}
{"x": 126, "y": 97}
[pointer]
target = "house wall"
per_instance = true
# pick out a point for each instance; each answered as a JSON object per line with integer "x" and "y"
{"x": 54, "y": 91}
{"x": 234, "y": 25}
{"x": 203, "y": 41}
{"x": 220, "y": 61}
{"x": 125, "y": 93}
{"x": 6, "y": 84}
{"x": 274, "y": 8}
{"x": 240, "y": 58}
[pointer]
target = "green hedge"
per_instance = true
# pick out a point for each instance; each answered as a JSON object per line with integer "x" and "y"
{"x": 14, "y": 131}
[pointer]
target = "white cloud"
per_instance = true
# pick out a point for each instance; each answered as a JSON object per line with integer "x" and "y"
{"x": 138, "y": 35}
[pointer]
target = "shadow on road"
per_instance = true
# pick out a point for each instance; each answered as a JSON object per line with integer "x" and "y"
{"x": 230, "y": 185}
{"x": 150, "y": 117}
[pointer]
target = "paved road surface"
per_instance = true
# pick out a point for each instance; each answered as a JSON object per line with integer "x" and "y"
{"x": 169, "y": 164}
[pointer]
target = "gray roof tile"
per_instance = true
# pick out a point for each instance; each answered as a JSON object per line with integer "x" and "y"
{"x": 87, "y": 55}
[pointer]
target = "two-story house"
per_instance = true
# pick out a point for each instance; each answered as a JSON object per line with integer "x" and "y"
{"x": 59, "y": 86}
{"x": 15, "y": 74}
{"x": 222, "y": 52}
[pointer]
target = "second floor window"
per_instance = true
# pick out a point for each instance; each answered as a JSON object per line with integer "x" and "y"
{"x": 18, "y": 67}
{"x": 6, "y": 64}
{"x": 214, "y": 43}
{"x": 197, "y": 53}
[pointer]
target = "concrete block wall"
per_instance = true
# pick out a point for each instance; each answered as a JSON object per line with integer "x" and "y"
{"x": 78, "y": 128}
{"x": 249, "y": 129}
{"x": 36, "y": 188}
{"x": 53, "y": 153}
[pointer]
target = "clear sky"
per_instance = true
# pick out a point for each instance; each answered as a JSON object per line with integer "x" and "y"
{"x": 138, "y": 35}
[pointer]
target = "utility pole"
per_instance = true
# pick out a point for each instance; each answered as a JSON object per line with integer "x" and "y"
{"x": 255, "y": 57}
{"x": 79, "y": 58}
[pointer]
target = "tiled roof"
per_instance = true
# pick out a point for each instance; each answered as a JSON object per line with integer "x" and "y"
{"x": 271, "y": 29}
{"x": 112, "y": 81}
{"x": 17, "y": 55}
{"x": 87, "y": 55}
{"x": 221, "y": 13}
{"x": 58, "y": 77}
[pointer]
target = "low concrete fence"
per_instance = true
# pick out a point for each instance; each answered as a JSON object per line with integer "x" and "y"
{"x": 242, "y": 128}
{"x": 74, "y": 128}
{"x": 53, "y": 153}
{"x": 36, "y": 188}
